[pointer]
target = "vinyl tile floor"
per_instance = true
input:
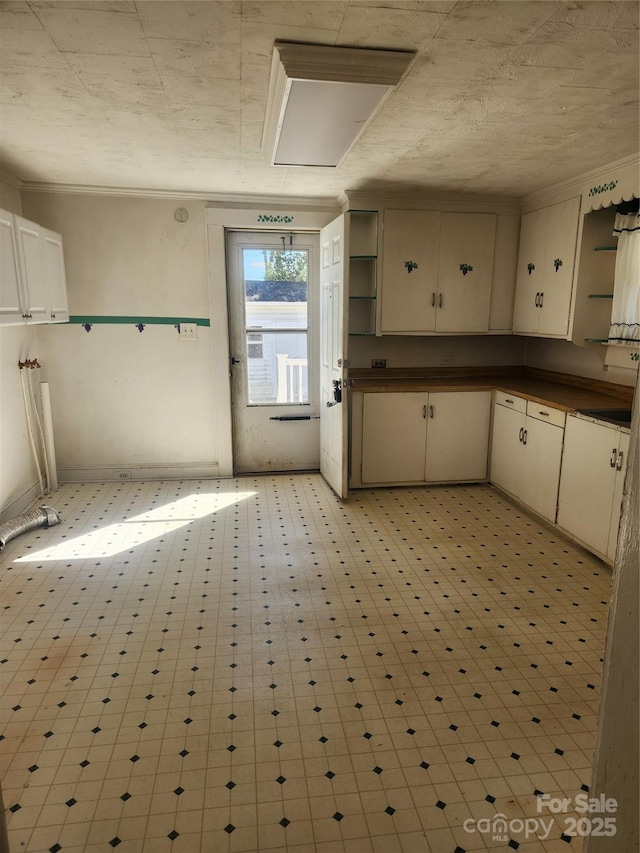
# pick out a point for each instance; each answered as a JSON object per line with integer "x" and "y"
{"x": 249, "y": 664}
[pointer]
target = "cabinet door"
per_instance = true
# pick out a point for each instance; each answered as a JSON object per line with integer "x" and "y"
{"x": 457, "y": 435}
{"x": 394, "y": 437}
{"x": 541, "y": 468}
{"x": 465, "y": 272}
{"x": 587, "y": 481}
{"x": 561, "y": 228}
{"x": 10, "y": 306}
{"x": 53, "y": 263}
{"x": 507, "y": 449}
{"x": 616, "y": 507}
{"x": 32, "y": 274}
{"x": 409, "y": 292}
{"x": 526, "y": 314}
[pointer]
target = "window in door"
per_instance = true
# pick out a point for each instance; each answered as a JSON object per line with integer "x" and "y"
{"x": 276, "y": 326}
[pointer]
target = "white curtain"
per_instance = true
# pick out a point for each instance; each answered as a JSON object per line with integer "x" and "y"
{"x": 625, "y": 311}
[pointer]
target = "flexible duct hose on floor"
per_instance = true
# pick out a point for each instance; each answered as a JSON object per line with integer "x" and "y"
{"x": 43, "y": 516}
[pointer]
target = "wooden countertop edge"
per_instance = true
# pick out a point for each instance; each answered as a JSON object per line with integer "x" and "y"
{"x": 536, "y": 385}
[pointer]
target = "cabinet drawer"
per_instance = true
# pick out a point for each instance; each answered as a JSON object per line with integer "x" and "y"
{"x": 511, "y": 401}
{"x": 546, "y": 413}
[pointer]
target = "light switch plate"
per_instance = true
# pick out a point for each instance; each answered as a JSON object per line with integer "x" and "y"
{"x": 188, "y": 331}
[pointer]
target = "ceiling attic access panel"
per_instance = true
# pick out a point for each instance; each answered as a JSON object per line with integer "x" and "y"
{"x": 321, "y": 97}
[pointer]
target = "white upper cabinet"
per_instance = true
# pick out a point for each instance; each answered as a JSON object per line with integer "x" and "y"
{"x": 56, "y": 279}
{"x": 437, "y": 271}
{"x": 11, "y": 310}
{"x": 465, "y": 272}
{"x": 410, "y": 271}
{"x": 545, "y": 270}
{"x": 31, "y": 263}
{"x": 33, "y": 286}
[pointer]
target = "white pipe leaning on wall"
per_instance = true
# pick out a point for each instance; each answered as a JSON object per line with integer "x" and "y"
{"x": 47, "y": 423}
{"x": 25, "y": 395}
{"x": 34, "y": 405}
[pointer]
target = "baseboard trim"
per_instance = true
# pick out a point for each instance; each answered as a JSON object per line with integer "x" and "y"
{"x": 124, "y": 474}
{"x": 22, "y": 503}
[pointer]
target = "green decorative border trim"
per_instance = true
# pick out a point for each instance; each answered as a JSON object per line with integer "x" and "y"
{"x": 84, "y": 319}
{"x": 267, "y": 217}
{"x": 603, "y": 188}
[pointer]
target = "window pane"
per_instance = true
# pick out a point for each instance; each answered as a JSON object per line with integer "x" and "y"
{"x": 275, "y": 288}
{"x": 278, "y": 372}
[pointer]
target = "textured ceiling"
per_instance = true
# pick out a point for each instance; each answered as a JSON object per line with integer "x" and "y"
{"x": 503, "y": 98}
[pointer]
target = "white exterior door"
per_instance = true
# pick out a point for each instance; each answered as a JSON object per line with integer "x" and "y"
{"x": 333, "y": 346}
{"x": 271, "y": 282}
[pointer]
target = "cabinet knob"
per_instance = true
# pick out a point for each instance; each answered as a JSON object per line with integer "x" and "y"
{"x": 612, "y": 460}
{"x": 541, "y": 299}
{"x": 520, "y": 433}
{"x": 53, "y": 316}
{"x": 439, "y": 300}
{"x": 433, "y": 300}
{"x": 619, "y": 463}
{"x": 524, "y": 437}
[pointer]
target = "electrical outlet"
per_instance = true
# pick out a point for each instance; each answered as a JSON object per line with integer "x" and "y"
{"x": 447, "y": 360}
{"x": 378, "y": 362}
{"x": 124, "y": 475}
{"x": 188, "y": 331}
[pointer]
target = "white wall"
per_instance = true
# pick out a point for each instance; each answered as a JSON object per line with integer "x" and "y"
{"x": 18, "y": 478}
{"x": 566, "y": 357}
{"x": 409, "y": 351}
{"x": 122, "y": 399}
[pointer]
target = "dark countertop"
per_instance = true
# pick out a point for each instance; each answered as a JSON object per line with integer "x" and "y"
{"x": 563, "y": 395}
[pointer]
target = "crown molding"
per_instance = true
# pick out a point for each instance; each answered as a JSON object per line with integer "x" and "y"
{"x": 575, "y": 186}
{"x": 456, "y": 202}
{"x": 11, "y": 180}
{"x": 229, "y": 200}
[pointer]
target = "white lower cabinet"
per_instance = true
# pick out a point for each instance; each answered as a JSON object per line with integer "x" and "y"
{"x": 417, "y": 437}
{"x": 593, "y": 470}
{"x": 526, "y": 451}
